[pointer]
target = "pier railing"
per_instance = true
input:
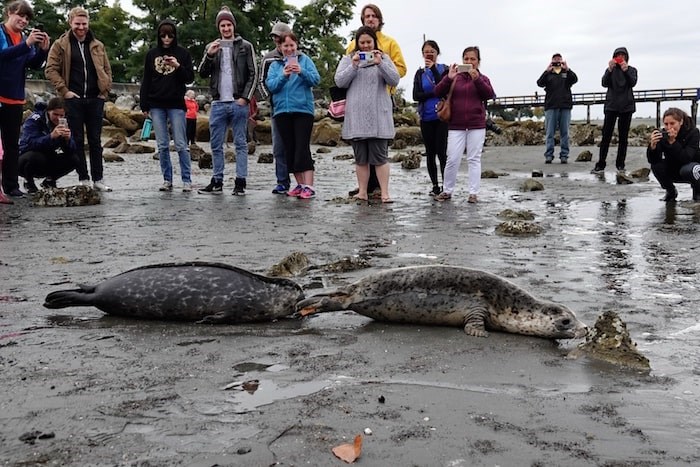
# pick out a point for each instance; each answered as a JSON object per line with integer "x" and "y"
{"x": 598, "y": 98}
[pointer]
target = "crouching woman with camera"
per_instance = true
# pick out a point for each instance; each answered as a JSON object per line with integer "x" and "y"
{"x": 674, "y": 154}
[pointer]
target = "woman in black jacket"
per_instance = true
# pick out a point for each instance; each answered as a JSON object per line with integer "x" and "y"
{"x": 674, "y": 154}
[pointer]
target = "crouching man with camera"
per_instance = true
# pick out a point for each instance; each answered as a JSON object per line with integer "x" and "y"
{"x": 674, "y": 154}
{"x": 46, "y": 146}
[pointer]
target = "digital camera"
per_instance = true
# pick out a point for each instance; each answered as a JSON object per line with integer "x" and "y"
{"x": 366, "y": 57}
{"x": 664, "y": 133}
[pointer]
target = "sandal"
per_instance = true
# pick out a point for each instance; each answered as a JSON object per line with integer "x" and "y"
{"x": 443, "y": 196}
{"x": 471, "y": 199}
{"x": 387, "y": 200}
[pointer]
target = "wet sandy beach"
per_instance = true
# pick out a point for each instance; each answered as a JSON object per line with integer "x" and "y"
{"x": 110, "y": 391}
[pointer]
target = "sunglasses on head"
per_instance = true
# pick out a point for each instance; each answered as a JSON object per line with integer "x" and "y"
{"x": 167, "y": 34}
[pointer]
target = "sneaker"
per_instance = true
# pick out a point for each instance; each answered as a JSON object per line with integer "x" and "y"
{"x": 443, "y": 196}
{"x": 48, "y": 184}
{"x": 296, "y": 191}
{"x": 214, "y": 188}
{"x": 16, "y": 193}
{"x": 621, "y": 171}
{"x": 436, "y": 190}
{"x": 186, "y": 187}
{"x": 239, "y": 187}
{"x": 101, "y": 186}
{"x": 166, "y": 186}
{"x": 307, "y": 193}
{"x": 472, "y": 199}
{"x": 597, "y": 171}
{"x": 30, "y": 186}
{"x": 564, "y": 160}
{"x": 548, "y": 160}
{"x": 85, "y": 182}
{"x": 4, "y": 199}
{"x": 280, "y": 189}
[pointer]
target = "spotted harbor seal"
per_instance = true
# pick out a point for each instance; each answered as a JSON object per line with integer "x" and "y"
{"x": 450, "y": 296}
{"x": 194, "y": 291}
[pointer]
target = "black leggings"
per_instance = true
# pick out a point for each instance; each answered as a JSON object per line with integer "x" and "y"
{"x": 295, "y": 130}
{"x": 191, "y": 130}
{"x": 623, "y": 130}
{"x": 434, "y": 134}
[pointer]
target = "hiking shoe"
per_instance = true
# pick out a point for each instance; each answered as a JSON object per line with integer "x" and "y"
{"x": 100, "y": 185}
{"x": 280, "y": 189}
{"x": 548, "y": 160}
{"x": 597, "y": 171}
{"x": 436, "y": 190}
{"x": 307, "y": 193}
{"x": 564, "y": 160}
{"x": 48, "y": 184}
{"x": 85, "y": 182}
{"x": 296, "y": 191}
{"x": 166, "y": 186}
{"x": 30, "y": 186}
{"x": 239, "y": 187}
{"x": 444, "y": 196}
{"x": 214, "y": 188}
{"x": 186, "y": 187}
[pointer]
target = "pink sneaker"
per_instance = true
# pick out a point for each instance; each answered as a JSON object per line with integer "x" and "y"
{"x": 307, "y": 193}
{"x": 4, "y": 199}
{"x": 296, "y": 191}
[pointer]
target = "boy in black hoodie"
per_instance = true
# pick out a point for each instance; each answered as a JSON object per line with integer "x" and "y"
{"x": 167, "y": 71}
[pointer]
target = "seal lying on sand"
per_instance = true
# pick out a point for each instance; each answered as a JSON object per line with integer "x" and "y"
{"x": 450, "y": 296}
{"x": 196, "y": 291}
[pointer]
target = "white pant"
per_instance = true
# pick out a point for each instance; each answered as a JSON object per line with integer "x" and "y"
{"x": 457, "y": 140}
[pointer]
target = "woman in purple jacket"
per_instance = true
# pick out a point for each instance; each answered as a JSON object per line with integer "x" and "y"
{"x": 467, "y": 126}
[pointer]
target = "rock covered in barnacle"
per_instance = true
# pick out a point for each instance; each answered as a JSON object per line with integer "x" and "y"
{"x": 610, "y": 341}
{"x": 518, "y": 228}
{"x": 65, "y": 197}
{"x": 294, "y": 264}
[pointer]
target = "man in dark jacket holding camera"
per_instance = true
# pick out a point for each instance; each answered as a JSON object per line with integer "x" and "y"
{"x": 47, "y": 148}
{"x": 557, "y": 80}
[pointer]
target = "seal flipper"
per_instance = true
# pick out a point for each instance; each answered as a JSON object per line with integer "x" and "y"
{"x": 72, "y": 297}
{"x": 322, "y": 303}
{"x": 475, "y": 322}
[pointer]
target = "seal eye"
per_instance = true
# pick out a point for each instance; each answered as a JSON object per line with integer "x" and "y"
{"x": 566, "y": 322}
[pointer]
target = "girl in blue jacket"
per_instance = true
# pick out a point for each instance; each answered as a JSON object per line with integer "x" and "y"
{"x": 290, "y": 81}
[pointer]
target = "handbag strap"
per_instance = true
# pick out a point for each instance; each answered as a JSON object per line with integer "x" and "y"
{"x": 452, "y": 86}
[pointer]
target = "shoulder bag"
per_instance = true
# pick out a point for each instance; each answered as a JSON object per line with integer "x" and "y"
{"x": 444, "y": 107}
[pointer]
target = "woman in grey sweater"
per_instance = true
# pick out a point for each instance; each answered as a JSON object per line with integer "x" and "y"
{"x": 367, "y": 73}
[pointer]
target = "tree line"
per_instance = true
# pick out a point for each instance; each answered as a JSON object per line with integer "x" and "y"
{"x": 128, "y": 37}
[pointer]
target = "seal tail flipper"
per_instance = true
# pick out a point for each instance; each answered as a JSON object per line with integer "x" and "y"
{"x": 72, "y": 297}
{"x": 320, "y": 304}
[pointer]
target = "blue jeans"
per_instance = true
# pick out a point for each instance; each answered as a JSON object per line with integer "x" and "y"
{"x": 178, "y": 126}
{"x": 222, "y": 116}
{"x": 85, "y": 116}
{"x": 554, "y": 118}
{"x": 281, "y": 171}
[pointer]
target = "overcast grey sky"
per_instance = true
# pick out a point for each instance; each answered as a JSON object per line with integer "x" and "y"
{"x": 518, "y": 37}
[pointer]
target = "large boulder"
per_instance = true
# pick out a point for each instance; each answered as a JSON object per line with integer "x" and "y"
{"x": 326, "y": 133}
{"x": 120, "y": 118}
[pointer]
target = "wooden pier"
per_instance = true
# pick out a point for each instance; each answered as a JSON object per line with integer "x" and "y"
{"x": 598, "y": 98}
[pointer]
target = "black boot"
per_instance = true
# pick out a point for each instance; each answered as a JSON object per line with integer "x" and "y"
{"x": 671, "y": 195}
{"x": 696, "y": 192}
{"x": 239, "y": 187}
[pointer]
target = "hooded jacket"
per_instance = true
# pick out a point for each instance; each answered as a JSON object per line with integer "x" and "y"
{"x": 13, "y": 61}
{"x": 620, "y": 97}
{"x": 164, "y": 86}
{"x": 293, "y": 93}
{"x": 684, "y": 150}
{"x": 36, "y": 136}
{"x": 557, "y": 88}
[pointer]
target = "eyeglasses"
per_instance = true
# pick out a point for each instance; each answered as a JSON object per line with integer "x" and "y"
{"x": 167, "y": 34}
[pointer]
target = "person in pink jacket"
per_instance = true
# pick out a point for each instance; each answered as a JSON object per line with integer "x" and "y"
{"x": 467, "y": 125}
